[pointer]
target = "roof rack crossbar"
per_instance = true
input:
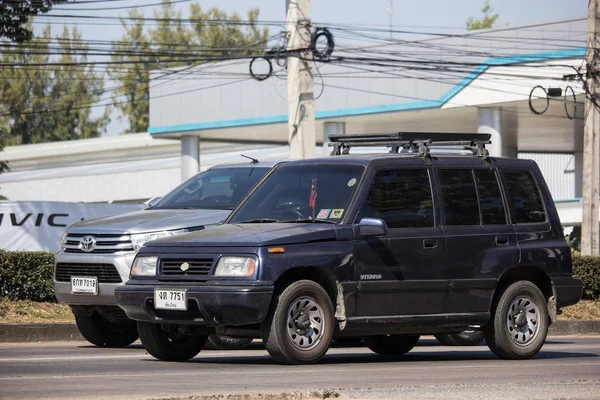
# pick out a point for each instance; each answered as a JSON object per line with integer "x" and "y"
{"x": 413, "y": 142}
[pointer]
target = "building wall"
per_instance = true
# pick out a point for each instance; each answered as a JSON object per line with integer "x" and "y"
{"x": 558, "y": 170}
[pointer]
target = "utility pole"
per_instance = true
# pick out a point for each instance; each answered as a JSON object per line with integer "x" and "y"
{"x": 301, "y": 110}
{"x": 591, "y": 144}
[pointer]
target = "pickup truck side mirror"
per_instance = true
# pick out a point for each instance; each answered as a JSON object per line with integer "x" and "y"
{"x": 372, "y": 227}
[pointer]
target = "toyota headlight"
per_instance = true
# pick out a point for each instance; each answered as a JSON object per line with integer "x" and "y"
{"x": 140, "y": 239}
{"x": 144, "y": 266}
{"x": 235, "y": 266}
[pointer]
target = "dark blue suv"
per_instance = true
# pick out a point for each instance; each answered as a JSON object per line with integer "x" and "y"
{"x": 434, "y": 237}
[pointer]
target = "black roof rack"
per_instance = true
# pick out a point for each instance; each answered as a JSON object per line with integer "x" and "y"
{"x": 412, "y": 142}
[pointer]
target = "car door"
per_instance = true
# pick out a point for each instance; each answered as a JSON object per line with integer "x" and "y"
{"x": 480, "y": 241}
{"x": 404, "y": 272}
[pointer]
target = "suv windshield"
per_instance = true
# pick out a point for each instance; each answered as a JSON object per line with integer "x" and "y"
{"x": 302, "y": 192}
{"x": 218, "y": 188}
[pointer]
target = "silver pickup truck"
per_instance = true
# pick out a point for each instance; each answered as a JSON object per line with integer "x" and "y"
{"x": 96, "y": 255}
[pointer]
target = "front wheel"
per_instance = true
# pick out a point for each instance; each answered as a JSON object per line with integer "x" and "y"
{"x": 299, "y": 326}
{"x": 103, "y": 333}
{"x": 464, "y": 338}
{"x": 391, "y": 345}
{"x": 169, "y": 346}
{"x": 519, "y": 322}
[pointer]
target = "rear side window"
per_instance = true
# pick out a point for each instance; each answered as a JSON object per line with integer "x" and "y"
{"x": 459, "y": 196}
{"x": 490, "y": 198}
{"x": 525, "y": 197}
{"x": 402, "y": 198}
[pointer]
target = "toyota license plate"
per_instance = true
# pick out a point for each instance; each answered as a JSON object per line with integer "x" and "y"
{"x": 84, "y": 285}
{"x": 170, "y": 299}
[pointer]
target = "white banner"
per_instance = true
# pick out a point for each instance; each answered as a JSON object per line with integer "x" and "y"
{"x": 38, "y": 225}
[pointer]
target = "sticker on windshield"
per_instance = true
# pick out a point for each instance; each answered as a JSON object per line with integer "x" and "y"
{"x": 337, "y": 213}
{"x": 352, "y": 182}
{"x": 324, "y": 213}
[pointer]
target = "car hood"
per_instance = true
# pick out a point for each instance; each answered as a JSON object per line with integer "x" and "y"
{"x": 149, "y": 220}
{"x": 249, "y": 235}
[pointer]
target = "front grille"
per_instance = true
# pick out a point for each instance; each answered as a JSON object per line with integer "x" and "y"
{"x": 106, "y": 273}
{"x": 105, "y": 243}
{"x": 171, "y": 268}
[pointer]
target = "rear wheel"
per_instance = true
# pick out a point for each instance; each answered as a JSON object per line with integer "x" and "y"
{"x": 519, "y": 322}
{"x": 169, "y": 346}
{"x": 391, "y": 345}
{"x": 299, "y": 326}
{"x": 224, "y": 342}
{"x": 464, "y": 338}
{"x": 104, "y": 333}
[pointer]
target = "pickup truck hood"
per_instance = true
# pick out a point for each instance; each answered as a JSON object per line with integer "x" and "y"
{"x": 149, "y": 220}
{"x": 251, "y": 235}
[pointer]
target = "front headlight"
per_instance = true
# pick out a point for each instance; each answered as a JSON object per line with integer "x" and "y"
{"x": 144, "y": 266}
{"x": 139, "y": 240}
{"x": 63, "y": 240}
{"x": 235, "y": 266}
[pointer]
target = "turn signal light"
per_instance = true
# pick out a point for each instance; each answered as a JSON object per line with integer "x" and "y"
{"x": 276, "y": 250}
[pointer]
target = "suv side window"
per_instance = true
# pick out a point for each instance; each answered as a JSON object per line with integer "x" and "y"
{"x": 459, "y": 196}
{"x": 525, "y": 197}
{"x": 490, "y": 198}
{"x": 402, "y": 198}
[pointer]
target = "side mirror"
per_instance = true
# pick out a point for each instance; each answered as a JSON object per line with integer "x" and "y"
{"x": 153, "y": 201}
{"x": 372, "y": 227}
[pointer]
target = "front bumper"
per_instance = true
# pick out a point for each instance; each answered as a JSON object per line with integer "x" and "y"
{"x": 568, "y": 291}
{"x": 214, "y": 305}
{"x": 106, "y": 291}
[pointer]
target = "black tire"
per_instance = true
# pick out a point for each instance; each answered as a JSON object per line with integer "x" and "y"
{"x": 103, "y": 333}
{"x": 167, "y": 346}
{"x": 391, "y": 345}
{"x": 465, "y": 338}
{"x": 525, "y": 335}
{"x": 224, "y": 342}
{"x": 309, "y": 345}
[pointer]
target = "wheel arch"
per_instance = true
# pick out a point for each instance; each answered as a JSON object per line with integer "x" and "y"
{"x": 315, "y": 274}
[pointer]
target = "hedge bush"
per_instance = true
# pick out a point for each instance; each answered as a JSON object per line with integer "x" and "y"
{"x": 28, "y": 275}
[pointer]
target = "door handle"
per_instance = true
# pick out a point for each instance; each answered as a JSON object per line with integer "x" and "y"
{"x": 430, "y": 243}
{"x": 502, "y": 240}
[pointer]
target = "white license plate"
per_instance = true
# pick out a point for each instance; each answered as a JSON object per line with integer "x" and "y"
{"x": 84, "y": 284}
{"x": 170, "y": 299}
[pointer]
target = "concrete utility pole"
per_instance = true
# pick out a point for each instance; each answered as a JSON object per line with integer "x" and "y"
{"x": 301, "y": 110}
{"x": 591, "y": 148}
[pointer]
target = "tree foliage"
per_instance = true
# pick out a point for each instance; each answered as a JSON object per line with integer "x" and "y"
{"x": 15, "y": 14}
{"x": 41, "y": 103}
{"x": 169, "y": 40}
{"x": 488, "y": 19}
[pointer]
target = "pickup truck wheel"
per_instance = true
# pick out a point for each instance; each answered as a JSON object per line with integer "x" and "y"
{"x": 224, "y": 342}
{"x": 102, "y": 333}
{"x": 519, "y": 322}
{"x": 464, "y": 338}
{"x": 391, "y": 345}
{"x": 299, "y": 326}
{"x": 169, "y": 346}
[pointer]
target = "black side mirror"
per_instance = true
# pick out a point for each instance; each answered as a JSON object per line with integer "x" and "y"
{"x": 372, "y": 227}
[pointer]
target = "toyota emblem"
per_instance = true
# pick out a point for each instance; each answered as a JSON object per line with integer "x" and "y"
{"x": 87, "y": 244}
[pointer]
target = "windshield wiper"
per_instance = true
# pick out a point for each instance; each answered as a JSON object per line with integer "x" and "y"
{"x": 259, "y": 221}
{"x": 229, "y": 208}
{"x": 309, "y": 220}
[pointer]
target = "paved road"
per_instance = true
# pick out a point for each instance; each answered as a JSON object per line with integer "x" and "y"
{"x": 567, "y": 367}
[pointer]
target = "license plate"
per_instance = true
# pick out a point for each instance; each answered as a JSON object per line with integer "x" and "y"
{"x": 170, "y": 299}
{"x": 84, "y": 284}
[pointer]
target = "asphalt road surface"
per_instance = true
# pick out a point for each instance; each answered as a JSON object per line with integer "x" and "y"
{"x": 566, "y": 368}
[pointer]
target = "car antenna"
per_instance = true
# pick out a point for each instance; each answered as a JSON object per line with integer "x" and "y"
{"x": 254, "y": 160}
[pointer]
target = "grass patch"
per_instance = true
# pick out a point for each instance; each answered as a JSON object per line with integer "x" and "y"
{"x": 585, "y": 309}
{"x": 26, "y": 311}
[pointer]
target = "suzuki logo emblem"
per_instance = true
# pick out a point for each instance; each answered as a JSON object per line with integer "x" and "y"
{"x": 185, "y": 266}
{"x": 87, "y": 244}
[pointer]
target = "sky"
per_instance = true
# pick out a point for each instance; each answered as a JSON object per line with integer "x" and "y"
{"x": 446, "y": 15}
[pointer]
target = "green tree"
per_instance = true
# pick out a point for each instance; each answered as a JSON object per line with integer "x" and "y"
{"x": 14, "y": 17}
{"x": 167, "y": 43}
{"x": 487, "y": 21}
{"x": 42, "y": 102}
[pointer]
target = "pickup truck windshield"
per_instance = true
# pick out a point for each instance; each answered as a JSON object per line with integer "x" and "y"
{"x": 219, "y": 188}
{"x": 302, "y": 192}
